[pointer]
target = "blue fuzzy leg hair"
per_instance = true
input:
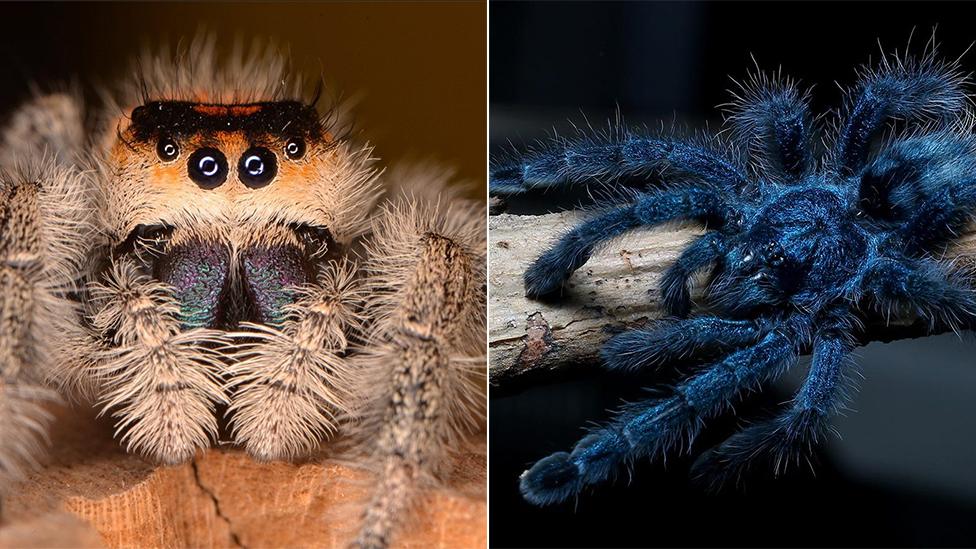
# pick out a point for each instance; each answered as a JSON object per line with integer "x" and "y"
{"x": 800, "y": 248}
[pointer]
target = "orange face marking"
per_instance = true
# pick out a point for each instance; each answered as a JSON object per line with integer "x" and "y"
{"x": 244, "y": 110}
{"x": 227, "y": 110}
{"x": 211, "y": 110}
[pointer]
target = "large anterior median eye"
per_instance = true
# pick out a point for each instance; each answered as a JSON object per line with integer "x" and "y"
{"x": 207, "y": 167}
{"x": 257, "y": 167}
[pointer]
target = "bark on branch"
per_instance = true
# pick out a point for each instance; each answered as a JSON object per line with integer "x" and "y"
{"x": 617, "y": 288}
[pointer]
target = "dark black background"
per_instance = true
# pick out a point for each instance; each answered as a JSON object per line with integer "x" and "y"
{"x": 903, "y": 474}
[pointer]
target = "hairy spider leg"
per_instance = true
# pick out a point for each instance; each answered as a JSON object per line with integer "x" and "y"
{"x": 902, "y": 90}
{"x": 291, "y": 380}
{"x": 424, "y": 384}
{"x": 567, "y": 163}
{"x": 676, "y": 282}
{"x": 669, "y": 340}
{"x": 935, "y": 167}
{"x": 546, "y": 275}
{"x": 651, "y": 426}
{"x": 790, "y": 437}
{"x": 43, "y": 236}
{"x": 939, "y": 219}
{"x": 921, "y": 285}
{"x": 775, "y": 118}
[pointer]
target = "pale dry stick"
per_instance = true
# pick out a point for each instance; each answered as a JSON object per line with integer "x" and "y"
{"x": 616, "y": 289}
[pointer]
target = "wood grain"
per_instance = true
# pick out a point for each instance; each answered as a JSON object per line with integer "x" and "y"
{"x": 615, "y": 289}
{"x": 90, "y": 493}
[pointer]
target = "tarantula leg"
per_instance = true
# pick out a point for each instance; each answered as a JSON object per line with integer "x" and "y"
{"x": 924, "y": 288}
{"x": 291, "y": 381}
{"x": 904, "y": 89}
{"x": 653, "y": 426}
{"x": 425, "y": 371}
{"x": 938, "y": 220}
{"x": 546, "y": 275}
{"x": 44, "y": 232}
{"x": 774, "y": 117}
{"x": 160, "y": 381}
{"x": 567, "y": 163}
{"x": 669, "y": 340}
{"x": 934, "y": 171}
{"x": 791, "y": 436}
{"x": 675, "y": 284}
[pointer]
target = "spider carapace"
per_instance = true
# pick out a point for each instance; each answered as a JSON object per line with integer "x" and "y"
{"x": 802, "y": 245}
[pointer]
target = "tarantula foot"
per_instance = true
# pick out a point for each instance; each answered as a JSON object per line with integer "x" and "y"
{"x": 507, "y": 180}
{"x": 633, "y": 350}
{"x": 782, "y": 442}
{"x": 550, "y": 480}
{"x": 544, "y": 280}
{"x": 675, "y": 296}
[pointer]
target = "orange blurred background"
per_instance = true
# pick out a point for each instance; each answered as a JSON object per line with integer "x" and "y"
{"x": 418, "y": 69}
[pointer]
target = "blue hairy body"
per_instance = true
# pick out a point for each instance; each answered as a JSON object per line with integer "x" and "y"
{"x": 801, "y": 245}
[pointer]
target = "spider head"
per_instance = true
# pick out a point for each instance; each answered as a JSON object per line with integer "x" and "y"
{"x": 798, "y": 250}
{"x": 759, "y": 273}
{"x": 210, "y": 166}
{"x": 258, "y": 189}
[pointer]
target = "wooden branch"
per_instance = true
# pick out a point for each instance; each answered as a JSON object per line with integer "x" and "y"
{"x": 617, "y": 288}
{"x": 90, "y": 493}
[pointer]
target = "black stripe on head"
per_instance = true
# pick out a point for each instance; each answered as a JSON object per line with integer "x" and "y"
{"x": 182, "y": 118}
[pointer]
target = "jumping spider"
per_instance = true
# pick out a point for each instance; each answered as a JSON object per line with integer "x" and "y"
{"x": 800, "y": 248}
{"x": 213, "y": 248}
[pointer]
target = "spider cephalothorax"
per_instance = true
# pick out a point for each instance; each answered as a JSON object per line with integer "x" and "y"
{"x": 226, "y": 255}
{"x": 801, "y": 247}
{"x": 238, "y": 188}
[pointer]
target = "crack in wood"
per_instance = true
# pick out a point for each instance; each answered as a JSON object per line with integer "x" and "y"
{"x": 234, "y": 538}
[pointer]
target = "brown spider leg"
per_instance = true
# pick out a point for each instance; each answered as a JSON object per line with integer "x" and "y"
{"x": 423, "y": 361}
{"x": 47, "y": 125}
{"x": 291, "y": 382}
{"x": 43, "y": 233}
{"x": 162, "y": 382}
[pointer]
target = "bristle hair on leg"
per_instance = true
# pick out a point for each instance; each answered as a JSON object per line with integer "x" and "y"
{"x": 290, "y": 383}
{"x": 48, "y": 125}
{"x": 424, "y": 360}
{"x": 162, "y": 383}
{"x": 44, "y": 225}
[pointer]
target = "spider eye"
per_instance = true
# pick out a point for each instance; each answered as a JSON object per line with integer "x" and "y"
{"x": 207, "y": 167}
{"x": 774, "y": 254}
{"x": 257, "y": 167}
{"x": 167, "y": 150}
{"x": 295, "y": 148}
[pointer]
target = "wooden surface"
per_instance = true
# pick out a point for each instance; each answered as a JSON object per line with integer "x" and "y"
{"x": 90, "y": 493}
{"x": 615, "y": 289}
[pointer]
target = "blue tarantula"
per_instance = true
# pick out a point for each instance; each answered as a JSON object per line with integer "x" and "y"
{"x": 802, "y": 246}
